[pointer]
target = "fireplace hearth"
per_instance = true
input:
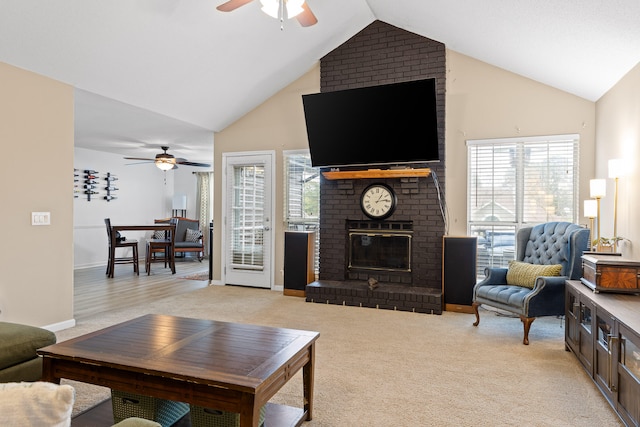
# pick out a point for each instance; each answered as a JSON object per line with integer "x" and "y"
{"x": 384, "y": 297}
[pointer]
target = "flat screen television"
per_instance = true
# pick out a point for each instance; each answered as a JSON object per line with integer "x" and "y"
{"x": 390, "y": 124}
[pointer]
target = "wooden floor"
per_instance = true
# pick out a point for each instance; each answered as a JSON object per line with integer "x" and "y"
{"x": 95, "y": 293}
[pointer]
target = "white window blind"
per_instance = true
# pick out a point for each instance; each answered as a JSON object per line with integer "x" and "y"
{"x": 517, "y": 182}
{"x": 248, "y": 217}
{"x": 302, "y": 201}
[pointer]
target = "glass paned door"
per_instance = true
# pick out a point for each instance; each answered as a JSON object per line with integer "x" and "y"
{"x": 248, "y": 220}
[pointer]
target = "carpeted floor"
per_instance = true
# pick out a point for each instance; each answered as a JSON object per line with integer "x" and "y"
{"x": 391, "y": 368}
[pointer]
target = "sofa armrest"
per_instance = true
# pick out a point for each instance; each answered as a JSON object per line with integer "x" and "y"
{"x": 494, "y": 276}
{"x": 550, "y": 282}
{"x": 547, "y": 296}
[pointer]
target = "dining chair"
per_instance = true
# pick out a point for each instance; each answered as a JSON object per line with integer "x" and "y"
{"x": 115, "y": 243}
{"x": 163, "y": 246}
{"x": 188, "y": 238}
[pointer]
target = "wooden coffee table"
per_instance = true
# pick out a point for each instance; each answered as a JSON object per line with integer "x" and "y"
{"x": 232, "y": 367}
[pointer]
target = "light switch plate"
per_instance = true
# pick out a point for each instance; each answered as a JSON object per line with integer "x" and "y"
{"x": 40, "y": 218}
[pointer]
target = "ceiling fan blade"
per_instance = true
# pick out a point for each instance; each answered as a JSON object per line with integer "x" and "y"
{"x": 232, "y": 5}
{"x": 306, "y": 18}
{"x": 203, "y": 165}
{"x": 139, "y": 158}
{"x": 137, "y": 163}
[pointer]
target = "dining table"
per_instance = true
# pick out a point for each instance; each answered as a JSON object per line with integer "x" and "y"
{"x": 171, "y": 228}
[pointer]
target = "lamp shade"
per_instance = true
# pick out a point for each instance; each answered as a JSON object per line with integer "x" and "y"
{"x": 617, "y": 168}
{"x": 180, "y": 201}
{"x": 590, "y": 208}
{"x": 598, "y": 188}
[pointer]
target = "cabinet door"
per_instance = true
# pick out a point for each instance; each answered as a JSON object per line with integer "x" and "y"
{"x": 605, "y": 354}
{"x": 628, "y": 370}
{"x": 572, "y": 314}
{"x": 585, "y": 331}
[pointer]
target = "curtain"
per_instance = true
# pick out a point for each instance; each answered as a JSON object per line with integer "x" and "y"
{"x": 204, "y": 205}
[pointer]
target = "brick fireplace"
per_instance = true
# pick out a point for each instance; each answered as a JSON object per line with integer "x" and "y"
{"x": 382, "y": 54}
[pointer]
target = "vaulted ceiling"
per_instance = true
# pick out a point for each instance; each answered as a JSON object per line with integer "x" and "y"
{"x": 168, "y": 72}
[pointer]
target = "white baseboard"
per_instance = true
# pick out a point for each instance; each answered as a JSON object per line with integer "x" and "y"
{"x": 61, "y": 325}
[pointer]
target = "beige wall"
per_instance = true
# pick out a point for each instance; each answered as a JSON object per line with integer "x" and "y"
{"x": 278, "y": 124}
{"x": 618, "y": 137}
{"x": 36, "y": 135}
{"x": 484, "y": 101}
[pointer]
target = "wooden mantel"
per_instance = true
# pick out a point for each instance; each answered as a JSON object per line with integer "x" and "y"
{"x": 377, "y": 173}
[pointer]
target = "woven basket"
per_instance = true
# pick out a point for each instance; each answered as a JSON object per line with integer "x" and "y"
{"x": 165, "y": 412}
{"x": 204, "y": 417}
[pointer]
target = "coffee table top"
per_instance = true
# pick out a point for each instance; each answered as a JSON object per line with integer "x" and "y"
{"x": 230, "y": 355}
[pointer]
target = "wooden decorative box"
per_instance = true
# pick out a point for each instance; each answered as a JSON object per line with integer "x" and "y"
{"x": 610, "y": 273}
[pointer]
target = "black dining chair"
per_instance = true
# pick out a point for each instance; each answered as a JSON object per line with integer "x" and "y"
{"x": 114, "y": 244}
{"x": 162, "y": 246}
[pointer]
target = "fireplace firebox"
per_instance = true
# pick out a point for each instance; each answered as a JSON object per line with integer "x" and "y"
{"x": 380, "y": 246}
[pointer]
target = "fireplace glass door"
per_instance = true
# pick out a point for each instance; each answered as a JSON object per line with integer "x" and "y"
{"x": 380, "y": 251}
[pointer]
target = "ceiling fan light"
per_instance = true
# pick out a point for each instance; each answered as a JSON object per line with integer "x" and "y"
{"x": 164, "y": 165}
{"x": 294, "y": 8}
{"x": 270, "y": 7}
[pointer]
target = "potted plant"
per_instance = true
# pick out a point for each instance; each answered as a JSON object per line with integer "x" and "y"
{"x": 607, "y": 244}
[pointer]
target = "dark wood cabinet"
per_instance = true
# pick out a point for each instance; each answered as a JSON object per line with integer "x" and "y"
{"x": 603, "y": 355}
{"x": 603, "y": 331}
{"x": 572, "y": 318}
{"x": 579, "y": 315}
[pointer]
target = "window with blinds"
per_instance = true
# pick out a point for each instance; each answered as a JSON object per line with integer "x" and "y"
{"x": 302, "y": 201}
{"x": 516, "y": 182}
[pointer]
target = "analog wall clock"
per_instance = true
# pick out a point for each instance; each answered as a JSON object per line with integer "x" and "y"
{"x": 378, "y": 201}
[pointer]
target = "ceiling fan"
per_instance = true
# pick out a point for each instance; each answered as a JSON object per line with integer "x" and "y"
{"x": 276, "y": 8}
{"x": 166, "y": 161}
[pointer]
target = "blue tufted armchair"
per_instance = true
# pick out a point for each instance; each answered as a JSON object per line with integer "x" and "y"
{"x": 543, "y": 244}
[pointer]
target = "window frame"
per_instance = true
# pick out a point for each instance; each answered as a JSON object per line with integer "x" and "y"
{"x": 295, "y": 216}
{"x": 530, "y": 189}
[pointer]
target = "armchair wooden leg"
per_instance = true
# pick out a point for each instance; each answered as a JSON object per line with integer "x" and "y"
{"x": 526, "y": 321}
{"x": 475, "y": 306}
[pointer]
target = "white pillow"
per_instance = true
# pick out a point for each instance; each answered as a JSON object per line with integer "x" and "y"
{"x": 36, "y": 404}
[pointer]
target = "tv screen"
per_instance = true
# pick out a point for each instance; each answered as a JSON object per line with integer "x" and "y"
{"x": 388, "y": 124}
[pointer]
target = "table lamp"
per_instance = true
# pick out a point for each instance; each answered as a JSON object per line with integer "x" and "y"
{"x": 617, "y": 168}
{"x": 590, "y": 211}
{"x": 598, "y": 189}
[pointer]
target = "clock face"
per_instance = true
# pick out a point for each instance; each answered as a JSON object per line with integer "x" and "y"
{"x": 378, "y": 201}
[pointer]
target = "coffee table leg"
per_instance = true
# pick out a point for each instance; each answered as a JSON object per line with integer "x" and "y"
{"x": 249, "y": 416}
{"x": 47, "y": 371}
{"x": 307, "y": 381}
